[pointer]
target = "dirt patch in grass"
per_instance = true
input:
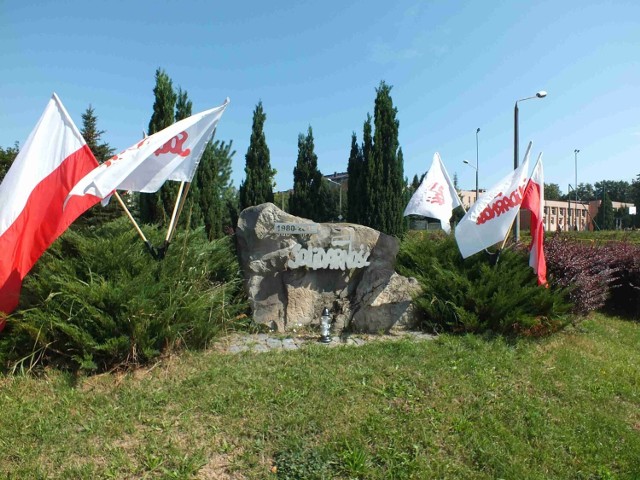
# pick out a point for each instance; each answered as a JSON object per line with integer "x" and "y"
{"x": 217, "y": 468}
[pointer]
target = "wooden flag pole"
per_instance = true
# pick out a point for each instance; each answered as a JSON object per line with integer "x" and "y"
{"x": 181, "y": 206}
{"x": 507, "y": 235}
{"x": 174, "y": 215}
{"x": 177, "y": 210}
{"x": 497, "y": 254}
{"x": 135, "y": 224}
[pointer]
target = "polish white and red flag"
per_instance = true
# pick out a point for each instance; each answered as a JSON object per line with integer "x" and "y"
{"x": 53, "y": 159}
{"x": 533, "y": 200}
{"x": 170, "y": 154}
{"x": 489, "y": 219}
{"x": 436, "y": 197}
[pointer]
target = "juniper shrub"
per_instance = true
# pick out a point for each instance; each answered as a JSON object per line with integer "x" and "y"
{"x": 473, "y": 295}
{"x": 97, "y": 300}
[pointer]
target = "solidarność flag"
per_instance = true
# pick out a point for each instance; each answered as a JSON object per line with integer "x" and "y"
{"x": 170, "y": 154}
{"x": 489, "y": 219}
{"x": 436, "y": 197}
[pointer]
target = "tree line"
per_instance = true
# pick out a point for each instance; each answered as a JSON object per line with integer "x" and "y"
{"x": 377, "y": 189}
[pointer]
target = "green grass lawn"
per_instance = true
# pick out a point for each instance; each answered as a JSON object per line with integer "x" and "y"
{"x": 467, "y": 407}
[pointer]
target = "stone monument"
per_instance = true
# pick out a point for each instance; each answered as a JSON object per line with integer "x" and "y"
{"x": 293, "y": 268}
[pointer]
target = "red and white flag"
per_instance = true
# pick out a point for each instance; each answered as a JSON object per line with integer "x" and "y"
{"x": 533, "y": 200}
{"x": 488, "y": 220}
{"x": 52, "y": 160}
{"x": 436, "y": 197}
{"x": 170, "y": 154}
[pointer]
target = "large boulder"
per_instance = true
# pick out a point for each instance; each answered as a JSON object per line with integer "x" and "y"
{"x": 293, "y": 268}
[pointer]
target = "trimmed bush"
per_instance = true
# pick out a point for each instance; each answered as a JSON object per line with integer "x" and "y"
{"x": 473, "y": 295}
{"x": 97, "y": 300}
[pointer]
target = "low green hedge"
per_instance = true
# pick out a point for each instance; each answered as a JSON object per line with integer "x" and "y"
{"x": 476, "y": 295}
{"x": 97, "y": 300}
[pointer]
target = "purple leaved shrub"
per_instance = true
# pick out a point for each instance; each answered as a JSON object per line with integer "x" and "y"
{"x": 599, "y": 275}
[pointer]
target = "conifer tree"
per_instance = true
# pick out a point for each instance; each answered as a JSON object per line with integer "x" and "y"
{"x": 307, "y": 180}
{"x": 387, "y": 158}
{"x": 184, "y": 106}
{"x": 152, "y": 208}
{"x": 415, "y": 183}
{"x": 368, "y": 200}
{"x": 605, "y": 216}
{"x": 102, "y": 151}
{"x": 384, "y": 201}
{"x": 213, "y": 181}
{"x": 355, "y": 170}
{"x": 257, "y": 186}
{"x": 328, "y": 202}
{"x": 169, "y": 191}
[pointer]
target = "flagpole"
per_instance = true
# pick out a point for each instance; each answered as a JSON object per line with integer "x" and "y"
{"x": 177, "y": 210}
{"x": 182, "y": 202}
{"x": 135, "y": 224}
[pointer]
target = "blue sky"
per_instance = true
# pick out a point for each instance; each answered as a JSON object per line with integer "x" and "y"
{"x": 454, "y": 66}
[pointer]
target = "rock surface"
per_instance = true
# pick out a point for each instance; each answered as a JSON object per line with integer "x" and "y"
{"x": 347, "y": 268}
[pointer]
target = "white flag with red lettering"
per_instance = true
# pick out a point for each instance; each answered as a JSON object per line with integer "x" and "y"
{"x": 170, "y": 154}
{"x": 533, "y": 200}
{"x": 53, "y": 159}
{"x": 488, "y": 220}
{"x": 436, "y": 197}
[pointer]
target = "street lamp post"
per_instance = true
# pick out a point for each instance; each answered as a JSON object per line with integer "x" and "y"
{"x": 476, "y": 169}
{"x": 575, "y": 190}
{"x": 477, "y": 191}
{"x": 540, "y": 94}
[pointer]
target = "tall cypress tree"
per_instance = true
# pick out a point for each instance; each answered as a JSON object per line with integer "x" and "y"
{"x": 305, "y": 201}
{"x": 415, "y": 183}
{"x": 605, "y": 216}
{"x": 152, "y": 207}
{"x": 184, "y": 106}
{"x": 387, "y": 181}
{"x": 368, "y": 184}
{"x": 355, "y": 170}
{"x": 257, "y": 186}
{"x": 169, "y": 191}
{"x": 213, "y": 179}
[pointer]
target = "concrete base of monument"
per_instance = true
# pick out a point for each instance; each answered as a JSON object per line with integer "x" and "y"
{"x": 263, "y": 342}
{"x": 293, "y": 268}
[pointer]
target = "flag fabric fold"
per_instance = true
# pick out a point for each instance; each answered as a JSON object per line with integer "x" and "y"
{"x": 489, "y": 219}
{"x": 533, "y": 200}
{"x": 436, "y": 197}
{"x": 53, "y": 159}
{"x": 171, "y": 154}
